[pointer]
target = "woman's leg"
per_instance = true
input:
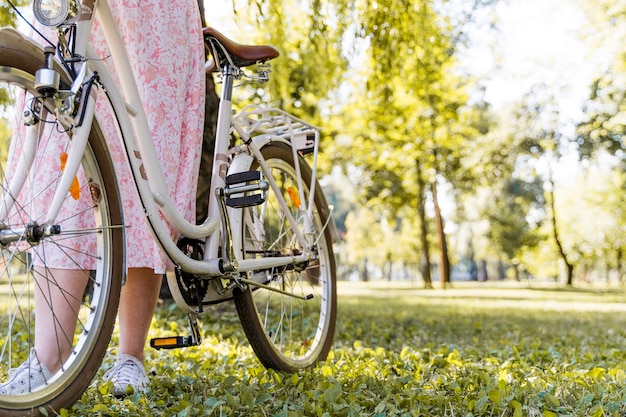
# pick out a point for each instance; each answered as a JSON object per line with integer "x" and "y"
{"x": 137, "y": 304}
{"x": 57, "y": 301}
{"x": 58, "y": 296}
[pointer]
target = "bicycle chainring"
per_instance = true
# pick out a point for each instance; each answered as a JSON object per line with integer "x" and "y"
{"x": 192, "y": 288}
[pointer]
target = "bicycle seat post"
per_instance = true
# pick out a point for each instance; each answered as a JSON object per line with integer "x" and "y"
{"x": 229, "y": 73}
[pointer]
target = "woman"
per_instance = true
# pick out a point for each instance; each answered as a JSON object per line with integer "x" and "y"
{"x": 165, "y": 47}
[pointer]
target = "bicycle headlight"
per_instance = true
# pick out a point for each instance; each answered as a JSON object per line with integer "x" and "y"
{"x": 56, "y": 12}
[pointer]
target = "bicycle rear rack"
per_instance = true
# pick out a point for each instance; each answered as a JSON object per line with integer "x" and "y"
{"x": 256, "y": 119}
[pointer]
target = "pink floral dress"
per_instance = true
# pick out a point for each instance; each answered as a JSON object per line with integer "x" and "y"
{"x": 165, "y": 47}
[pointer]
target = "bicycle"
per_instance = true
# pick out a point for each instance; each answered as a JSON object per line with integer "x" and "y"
{"x": 266, "y": 243}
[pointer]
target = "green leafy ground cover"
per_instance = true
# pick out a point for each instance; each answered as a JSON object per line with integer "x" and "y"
{"x": 472, "y": 350}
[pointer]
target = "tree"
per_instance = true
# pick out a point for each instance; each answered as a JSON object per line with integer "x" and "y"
{"x": 592, "y": 221}
{"x": 540, "y": 137}
{"x": 603, "y": 128}
{"x": 421, "y": 211}
{"x": 511, "y": 229}
{"x": 556, "y": 232}
{"x": 409, "y": 109}
{"x": 364, "y": 231}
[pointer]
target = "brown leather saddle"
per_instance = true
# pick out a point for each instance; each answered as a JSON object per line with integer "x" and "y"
{"x": 226, "y": 51}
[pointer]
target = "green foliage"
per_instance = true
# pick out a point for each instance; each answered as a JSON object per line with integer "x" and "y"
{"x": 508, "y": 213}
{"x": 7, "y": 15}
{"x": 603, "y": 127}
{"x": 401, "y": 351}
{"x": 309, "y": 36}
{"x": 383, "y": 80}
{"x": 410, "y": 101}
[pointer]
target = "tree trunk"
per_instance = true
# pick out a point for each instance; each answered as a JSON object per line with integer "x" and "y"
{"x": 444, "y": 265}
{"x": 389, "y": 263}
{"x": 421, "y": 211}
{"x": 364, "y": 273}
{"x": 201, "y": 8}
{"x": 483, "y": 273}
{"x": 618, "y": 265}
{"x": 556, "y": 235}
{"x": 501, "y": 270}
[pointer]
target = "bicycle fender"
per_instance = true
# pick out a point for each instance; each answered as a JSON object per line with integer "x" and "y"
{"x": 242, "y": 162}
{"x": 262, "y": 140}
{"x": 17, "y": 41}
{"x": 13, "y": 39}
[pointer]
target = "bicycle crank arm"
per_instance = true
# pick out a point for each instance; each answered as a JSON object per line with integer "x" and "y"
{"x": 267, "y": 287}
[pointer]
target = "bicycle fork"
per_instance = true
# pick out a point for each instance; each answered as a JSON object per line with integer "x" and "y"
{"x": 35, "y": 114}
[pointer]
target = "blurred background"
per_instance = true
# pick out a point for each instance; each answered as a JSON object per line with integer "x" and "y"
{"x": 463, "y": 139}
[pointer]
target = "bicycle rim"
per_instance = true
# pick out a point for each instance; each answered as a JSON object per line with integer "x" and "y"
{"x": 288, "y": 332}
{"x": 77, "y": 270}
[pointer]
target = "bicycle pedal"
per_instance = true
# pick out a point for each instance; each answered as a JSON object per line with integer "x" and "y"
{"x": 245, "y": 183}
{"x": 247, "y": 201}
{"x": 243, "y": 177}
{"x": 173, "y": 342}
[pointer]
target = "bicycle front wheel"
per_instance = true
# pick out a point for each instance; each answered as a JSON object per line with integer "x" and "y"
{"x": 294, "y": 328}
{"x": 59, "y": 288}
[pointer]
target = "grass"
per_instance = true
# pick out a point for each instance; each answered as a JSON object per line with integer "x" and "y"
{"x": 476, "y": 349}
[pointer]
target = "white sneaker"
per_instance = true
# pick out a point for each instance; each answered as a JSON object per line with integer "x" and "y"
{"x": 27, "y": 377}
{"x": 127, "y": 373}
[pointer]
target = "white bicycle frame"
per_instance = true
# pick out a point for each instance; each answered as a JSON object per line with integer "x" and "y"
{"x": 142, "y": 158}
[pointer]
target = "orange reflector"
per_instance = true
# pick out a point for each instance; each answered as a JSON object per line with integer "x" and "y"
{"x": 293, "y": 196}
{"x": 164, "y": 341}
{"x": 75, "y": 187}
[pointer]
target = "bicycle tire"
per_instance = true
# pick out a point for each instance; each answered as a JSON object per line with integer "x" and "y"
{"x": 288, "y": 333}
{"x": 25, "y": 266}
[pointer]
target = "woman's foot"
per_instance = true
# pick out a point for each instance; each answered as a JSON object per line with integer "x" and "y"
{"x": 27, "y": 377}
{"x": 128, "y": 375}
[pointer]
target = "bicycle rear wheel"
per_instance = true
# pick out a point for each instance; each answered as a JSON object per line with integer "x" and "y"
{"x": 286, "y": 332}
{"x": 74, "y": 274}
